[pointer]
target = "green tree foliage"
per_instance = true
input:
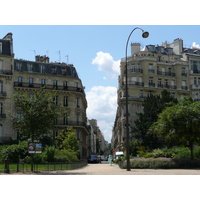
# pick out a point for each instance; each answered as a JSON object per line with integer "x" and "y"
{"x": 37, "y": 113}
{"x": 152, "y": 106}
{"x": 14, "y": 152}
{"x": 67, "y": 140}
{"x": 179, "y": 123}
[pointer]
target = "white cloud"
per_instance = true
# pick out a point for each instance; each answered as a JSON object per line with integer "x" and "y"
{"x": 105, "y": 63}
{"x": 102, "y": 104}
{"x": 195, "y": 45}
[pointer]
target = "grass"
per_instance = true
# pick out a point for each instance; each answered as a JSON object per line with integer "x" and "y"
{"x": 38, "y": 167}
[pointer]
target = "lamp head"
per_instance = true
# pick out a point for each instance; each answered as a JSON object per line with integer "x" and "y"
{"x": 145, "y": 34}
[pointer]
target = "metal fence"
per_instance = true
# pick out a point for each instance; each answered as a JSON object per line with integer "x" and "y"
{"x": 24, "y": 167}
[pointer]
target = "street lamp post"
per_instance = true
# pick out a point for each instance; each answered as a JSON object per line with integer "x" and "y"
{"x": 144, "y": 35}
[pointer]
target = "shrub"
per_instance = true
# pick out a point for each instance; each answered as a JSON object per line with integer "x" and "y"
{"x": 50, "y": 153}
{"x": 15, "y": 152}
{"x": 163, "y": 163}
{"x": 65, "y": 156}
{"x": 197, "y": 152}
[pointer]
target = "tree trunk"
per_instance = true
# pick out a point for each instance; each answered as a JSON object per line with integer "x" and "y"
{"x": 191, "y": 150}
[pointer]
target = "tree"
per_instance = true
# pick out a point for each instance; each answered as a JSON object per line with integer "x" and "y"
{"x": 35, "y": 115}
{"x": 179, "y": 123}
{"x": 152, "y": 106}
{"x": 67, "y": 140}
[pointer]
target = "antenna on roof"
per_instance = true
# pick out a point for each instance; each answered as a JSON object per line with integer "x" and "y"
{"x": 34, "y": 52}
{"x": 67, "y": 58}
{"x": 59, "y": 55}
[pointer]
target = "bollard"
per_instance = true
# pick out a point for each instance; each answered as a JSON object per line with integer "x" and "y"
{"x": 6, "y": 169}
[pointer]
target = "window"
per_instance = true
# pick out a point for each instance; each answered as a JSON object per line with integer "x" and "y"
{"x": 65, "y": 103}
{"x": 195, "y": 81}
{"x": 198, "y": 80}
{"x": 64, "y": 85}
{"x": 1, "y": 109}
{"x": 1, "y": 87}
{"x": 149, "y": 93}
{"x": 65, "y": 120}
{"x": 183, "y": 83}
{"x": 42, "y": 69}
{"x": 78, "y": 119}
{"x": 1, "y": 64}
{"x": 20, "y": 79}
{"x": 172, "y": 84}
{"x": 151, "y": 81}
{"x": 151, "y": 70}
{"x": 30, "y": 67}
{"x": 163, "y": 71}
{"x": 19, "y": 114}
{"x": 55, "y": 99}
{"x": 170, "y": 71}
{"x": 55, "y": 82}
{"x": 43, "y": 82}
{"x": 64, "y": 71}
{"x": 173, "y": 95}
{"x": 31, "y": 96}
{"x": 166, "y": 82}
{"x": 19, "y": 66}
{"x": 141, "y": 94}
{"x": 54, "y": 70}
{"x": 30, "y": 81}
{"x": 55, "y": 133}
{"x": 159, "y": 82}
{"x": 183, "y": 71}
{"x": 78, "y": 135}
{"x": 78, "y": 102}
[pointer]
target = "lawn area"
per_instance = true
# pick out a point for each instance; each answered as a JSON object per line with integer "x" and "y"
{"x": 38, "y": 167}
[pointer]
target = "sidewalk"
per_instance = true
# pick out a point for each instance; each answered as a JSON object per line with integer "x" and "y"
{"x": 107, "y": 169}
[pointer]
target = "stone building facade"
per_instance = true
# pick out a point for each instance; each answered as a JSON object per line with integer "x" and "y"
{"x": 18, "y": 75}
{"x": 152, "y": 69}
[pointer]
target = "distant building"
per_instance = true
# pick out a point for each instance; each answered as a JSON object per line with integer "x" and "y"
{"x": 18, "y": 75}
{"x": 151, "y": 70}
{"x": 100, "y": 145}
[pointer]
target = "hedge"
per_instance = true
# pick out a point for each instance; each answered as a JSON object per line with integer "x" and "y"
{"x": 161, "y": 163}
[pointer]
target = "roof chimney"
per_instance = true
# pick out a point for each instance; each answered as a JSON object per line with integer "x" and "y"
{"x": 135, "y": 47}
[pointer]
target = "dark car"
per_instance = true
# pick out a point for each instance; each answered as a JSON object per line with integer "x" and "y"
{"x": 93, "y": 159}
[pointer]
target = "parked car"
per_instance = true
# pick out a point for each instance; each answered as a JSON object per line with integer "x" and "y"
{"x": 93, "y": 159}
{"x": 104, "y": 158}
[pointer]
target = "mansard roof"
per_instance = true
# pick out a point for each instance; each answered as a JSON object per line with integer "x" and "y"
{"x": 5, "y": 47}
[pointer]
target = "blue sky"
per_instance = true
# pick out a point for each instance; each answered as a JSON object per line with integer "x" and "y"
{"x": 95, "y": 51}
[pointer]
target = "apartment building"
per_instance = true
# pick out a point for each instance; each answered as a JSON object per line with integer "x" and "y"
{"x": 152, "y": 69}
{"x": 18, "y": 75}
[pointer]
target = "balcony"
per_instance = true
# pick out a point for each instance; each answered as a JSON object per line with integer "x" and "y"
{"x": 3, "y": 94}
{"x": 71, "y": 123}
{"x": 166, "y": 73}
{"x": 184, "y": 87}
{"x": 141, "y": 84}
{"x": 151, "y": 84}
{"x": 184, "y": 74}
{"x": 135, "y": 70}
{"x": 2, "y": 116}
{"x": 151, "y": 71}
{"x": 5, "y": 72}
{"x": 195, "y": 71}
{"x": 166, "y": 86}
{"x": 50, "y": 87}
